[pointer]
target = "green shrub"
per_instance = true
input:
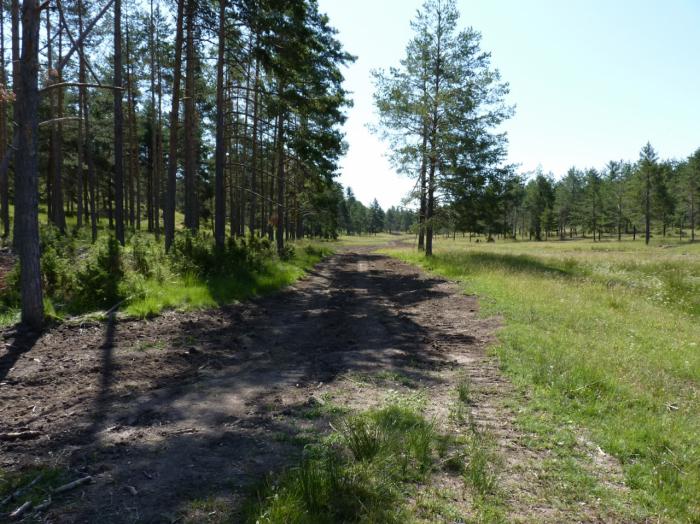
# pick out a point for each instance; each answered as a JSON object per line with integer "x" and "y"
{"x": 99, "y": 282}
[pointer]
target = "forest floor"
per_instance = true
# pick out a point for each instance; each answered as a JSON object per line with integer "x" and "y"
{"x": 178, "y": 417}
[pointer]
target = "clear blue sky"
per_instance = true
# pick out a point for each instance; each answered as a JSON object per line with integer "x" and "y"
{"x": 592, "y": 80}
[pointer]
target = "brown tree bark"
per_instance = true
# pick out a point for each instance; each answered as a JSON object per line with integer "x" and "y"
{"x": 191, "y": 201}
{"x": 4, "y": 139}
{"x": 27, "y": 168}
{"x": 169, "y": 217}
{"x": 118, "y": 126}
{"x": 219, "y": 189}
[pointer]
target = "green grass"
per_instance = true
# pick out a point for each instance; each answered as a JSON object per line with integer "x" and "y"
{"x": 35, "y": 485}
{"x": 374, "y": 468}
{"x": 379, "y": 239}
{"x": 80, "y": 277}
{"x": 192, "y": 292}
{"x": 602, "y": 336}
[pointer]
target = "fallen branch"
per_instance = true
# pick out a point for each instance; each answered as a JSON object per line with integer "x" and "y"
{"x": 18, "y": 492}
{"x": 21, "y": 510}
{"x": 72, "y": 485}
{"x": 44, "y": 505}
{"x": 20, "y": 435}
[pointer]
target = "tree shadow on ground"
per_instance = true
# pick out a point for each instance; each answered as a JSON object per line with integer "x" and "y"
{"x": 22, "y": 342}
{"x": 236, "y": 413}
{"x": 511, "y": 263}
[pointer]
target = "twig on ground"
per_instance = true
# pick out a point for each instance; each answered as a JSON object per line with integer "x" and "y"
{"x": 21, "y": 510}
{"x": 18, "y": 492}
{"x": 74, "y": 484}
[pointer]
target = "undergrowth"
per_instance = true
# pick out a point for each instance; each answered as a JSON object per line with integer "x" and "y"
{"x": 141, "y": 279}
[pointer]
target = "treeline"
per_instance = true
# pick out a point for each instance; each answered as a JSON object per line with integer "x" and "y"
{"x": 440, "y": 110}
{"x": 637, "y": 199}
{"x": 137, "y": 113}
{"x": 354, "y": 218}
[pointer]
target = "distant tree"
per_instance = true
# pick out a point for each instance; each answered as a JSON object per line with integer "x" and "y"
{"x": 539, "y": 202}
{"x": 690, "y": 190}
{"x": 592, "y": 204}
{"x": 376, "y": 217}
{"x": 567, "y": 201}
{"x": 647, "y": 176}
{"x": 441, "y": 106}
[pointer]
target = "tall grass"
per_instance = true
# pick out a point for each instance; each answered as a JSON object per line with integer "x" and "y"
{"x": 603, "y": 337}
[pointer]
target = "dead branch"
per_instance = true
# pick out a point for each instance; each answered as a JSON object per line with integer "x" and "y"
{"x": 78, "y": 84}
{"x": 18, "y": 492}
{"x": 60, "y": 120}
{"x": 21, "y": 510}
{"x": 72, "y": 485}
{"x": 20, "y": 435}
{"x": 73, "y": 41}
{"x": 84, "y": 35}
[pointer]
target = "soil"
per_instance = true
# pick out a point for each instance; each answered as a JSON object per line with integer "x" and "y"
{"x": 204, "y": 405}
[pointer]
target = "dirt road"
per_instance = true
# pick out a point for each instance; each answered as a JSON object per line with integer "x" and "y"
{"x": 194, "y": 406}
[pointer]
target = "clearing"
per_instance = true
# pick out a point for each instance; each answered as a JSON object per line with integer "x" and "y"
{"x": 178, "y": 418}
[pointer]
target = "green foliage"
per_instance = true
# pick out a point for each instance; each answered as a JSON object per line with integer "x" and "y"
{"x": 357, "y": 475}
{"x": 99, "y": 281}
{"x": 596, "y": 337}
{"x": 80, "y": 277}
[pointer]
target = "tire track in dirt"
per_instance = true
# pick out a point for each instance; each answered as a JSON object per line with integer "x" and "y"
{"x": 193, "y": 405}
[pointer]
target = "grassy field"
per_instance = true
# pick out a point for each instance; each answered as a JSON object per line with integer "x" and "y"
{"x": 603, "y": 337}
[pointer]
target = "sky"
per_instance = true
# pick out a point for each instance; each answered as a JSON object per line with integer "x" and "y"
{"x": 592, "y": 80}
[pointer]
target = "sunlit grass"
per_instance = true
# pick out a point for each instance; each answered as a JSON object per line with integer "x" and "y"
{"x": 192, "y": 292}
{"x": 602, "y": 336}
{"x": 379, "y": 239}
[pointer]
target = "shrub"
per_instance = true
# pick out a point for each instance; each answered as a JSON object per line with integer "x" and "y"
{"x": 99, "y": 282}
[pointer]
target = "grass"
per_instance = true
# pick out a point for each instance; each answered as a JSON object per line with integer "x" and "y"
{"x": 140, "y": 280}
{"x": 360, "y": 473}
{"x": 34, "y": 484}
{"x": 602, "y": 336}
{"x": 378, "y": 465}
{"x": 193, "y": 292}
{"x": 379, "y": 239}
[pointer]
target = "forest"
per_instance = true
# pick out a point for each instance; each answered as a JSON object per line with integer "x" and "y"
{"x": 202, "y": 321}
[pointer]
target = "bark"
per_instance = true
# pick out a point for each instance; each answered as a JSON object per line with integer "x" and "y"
{"x": 134, "y": 175}
{"x": 4, "y": 179}
{"x": 219, "y": 190}
{"x": 27, "y": 169}
{"x": 150, "y": 193}
{"x": 191, "y": 204}
{"x": 169, "y": 217}
{"x": 118, "y": 126}
{"x": 85, "y": 113}
{"x": 423, "y": 201}
{"x": 254, "y": 155}
{"x": 280, "y": 184}
{"x": 56, "y": 213}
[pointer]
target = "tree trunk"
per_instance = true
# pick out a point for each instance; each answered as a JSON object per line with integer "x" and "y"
{"x": 169, "y": 218}
{"x": 219, "y": 190}
{"x": 118, "y": 126}
{"x": 280, "y": 184}
{"x": 254, "y": 156}
{"x": 191, "y": 214}
{"x": 4, "y": 143}
{"x": 57, "y": 215}
{"x": 27, "y": 169}
{"x": 647, "y": 211}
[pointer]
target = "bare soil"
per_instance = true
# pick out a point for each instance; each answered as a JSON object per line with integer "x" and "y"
{"x": 202, "y": 405}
